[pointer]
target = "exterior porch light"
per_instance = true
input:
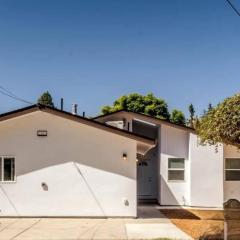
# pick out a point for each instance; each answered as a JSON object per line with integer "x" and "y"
{"x": 124, "y": 156}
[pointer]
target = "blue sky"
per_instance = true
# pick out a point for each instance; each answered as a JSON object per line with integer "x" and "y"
{"x": 91, "y": 52}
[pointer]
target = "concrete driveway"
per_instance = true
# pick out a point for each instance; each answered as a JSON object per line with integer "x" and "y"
{"x": 145, "y": 227}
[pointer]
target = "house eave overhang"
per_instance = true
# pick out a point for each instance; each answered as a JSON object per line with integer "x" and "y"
{"x": 142, "y": 117}
{"x": 143, "y": 148}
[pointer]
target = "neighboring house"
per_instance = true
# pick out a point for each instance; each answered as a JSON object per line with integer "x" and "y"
{"x": 54, "y": 163}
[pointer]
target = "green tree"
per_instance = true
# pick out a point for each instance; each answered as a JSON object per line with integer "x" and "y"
{"x": 191, "y": 110}
{"x": 106, "y": 109}
{"x": 177, "y": 117}
{"x": 46, "y": 99}
{"x": 148, "y": 104}
{"x": 221, "y": 124}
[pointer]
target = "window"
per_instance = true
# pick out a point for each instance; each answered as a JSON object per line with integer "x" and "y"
{"x": 232, "y": 169}
{"x": 7, "y": 169}
{"x": 176, "y": 169}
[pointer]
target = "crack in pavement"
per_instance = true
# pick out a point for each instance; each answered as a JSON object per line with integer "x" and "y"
{"x": 89, "y": 229}
{"x": 25, "y": 229}
{"x": 100, "y": 225}
{"x": 10, "y": 224}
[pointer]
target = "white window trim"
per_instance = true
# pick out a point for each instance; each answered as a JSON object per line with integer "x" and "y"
{"x": 176, "y": 169}
{"x": 230, "y": 169}
{"x": 2, "y": 169}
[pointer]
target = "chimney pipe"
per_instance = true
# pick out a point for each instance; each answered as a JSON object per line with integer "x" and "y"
{"x": 74, "y": 109}
{"x": 61, "y": 104}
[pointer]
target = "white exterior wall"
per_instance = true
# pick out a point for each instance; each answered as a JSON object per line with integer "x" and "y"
{"x": 203, "y": 185}
{"x": 81, "y": 165}
{"x": 173, "y": 144}
{"x": 206, "y": 171}
{"x": 231, "y": 188}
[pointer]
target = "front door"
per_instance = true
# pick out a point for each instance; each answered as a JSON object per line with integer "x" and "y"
{"x": 146, "y": 180}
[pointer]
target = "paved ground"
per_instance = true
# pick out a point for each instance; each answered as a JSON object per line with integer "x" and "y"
{"x": 150, "y": 225}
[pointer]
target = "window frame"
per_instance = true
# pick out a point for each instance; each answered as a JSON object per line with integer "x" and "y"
{"x": 231, "y": 169}
{"x": 2, "y": 157}
{"x": 176, "y": 169}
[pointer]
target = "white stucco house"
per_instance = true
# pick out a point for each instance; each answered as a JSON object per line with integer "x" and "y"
{"x": 54, "y": 163}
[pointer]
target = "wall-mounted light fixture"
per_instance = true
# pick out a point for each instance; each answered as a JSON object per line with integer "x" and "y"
{"x": 42, "y": 133}
{"x": 124, "y": 156}
{"x": 44, "y": 186}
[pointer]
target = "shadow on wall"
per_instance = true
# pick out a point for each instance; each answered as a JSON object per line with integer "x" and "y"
{"x": 55, "y": 156}
{"x": 168, "y": 195}
{"x": 175, "y": 143}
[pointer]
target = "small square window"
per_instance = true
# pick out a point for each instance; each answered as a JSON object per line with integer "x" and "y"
{"x": 177, "y": 163}
{"x": 176, "y": 169}
{"x": 232, "y": 169}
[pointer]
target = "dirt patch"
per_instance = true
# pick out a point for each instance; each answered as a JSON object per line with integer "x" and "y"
{"x": 199, "y": 224}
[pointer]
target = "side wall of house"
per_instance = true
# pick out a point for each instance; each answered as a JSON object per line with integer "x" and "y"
{"x": 231, "y": 188}
{"x": 206, "y": 174}
{"x": 81, "y": 166}
{"x": 174, "y": 143}
{"x": 203, "y": 170}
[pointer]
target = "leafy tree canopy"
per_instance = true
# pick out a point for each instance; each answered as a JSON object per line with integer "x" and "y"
{"x": 146, "y": 104}
{"x": 178, "y": 117}
{"x": 221, "y": 124}
{"x": 46, "y": 99}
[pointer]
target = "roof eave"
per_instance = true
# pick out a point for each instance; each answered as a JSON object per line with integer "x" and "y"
{"x": 161, "y": 121}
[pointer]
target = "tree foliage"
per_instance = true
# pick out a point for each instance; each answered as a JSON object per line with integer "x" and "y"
{"x": 134, "y": 102}
{"x": 221, "y": 124}
{"x": 146, "y": 104}
{"x": 178, "y": 117}
{"x": 46, "y": 99}
{"x": 191, "y": 121}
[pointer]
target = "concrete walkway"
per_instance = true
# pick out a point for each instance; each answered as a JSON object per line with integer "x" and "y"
{"x": 150, "y": 225}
